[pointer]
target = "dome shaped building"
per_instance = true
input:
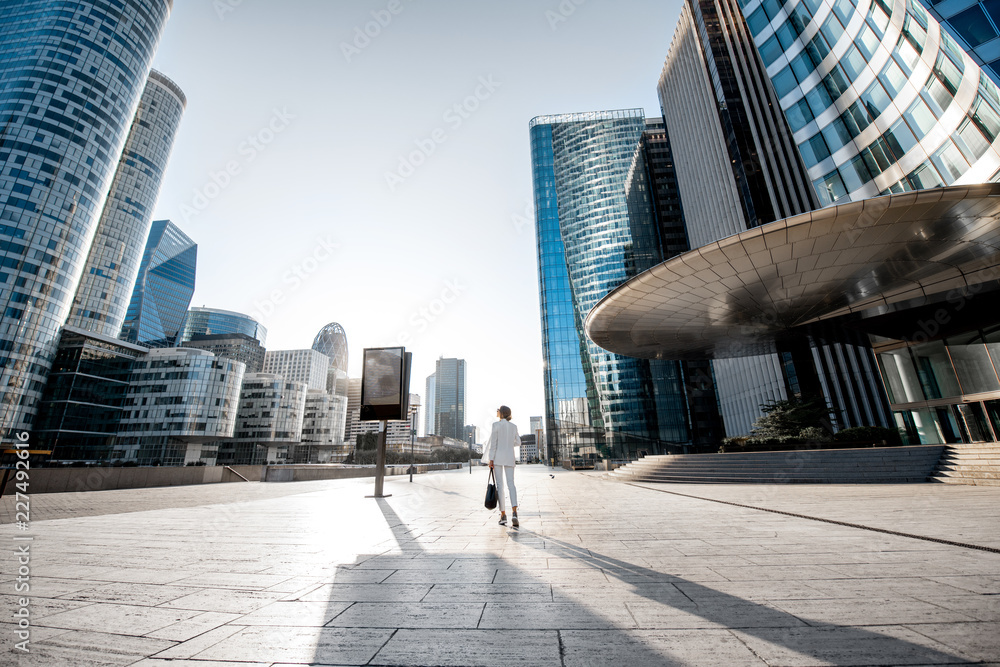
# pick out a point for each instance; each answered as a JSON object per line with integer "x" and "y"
{"x": 332, "y": 341}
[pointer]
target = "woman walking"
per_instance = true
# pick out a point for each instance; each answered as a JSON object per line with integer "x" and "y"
{"x": 500, "y": 453}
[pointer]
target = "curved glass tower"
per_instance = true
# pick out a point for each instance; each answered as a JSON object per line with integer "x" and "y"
{"x": 332, "y": 341}
{"x": 596, "y": 402}
{"x": 202, "y": 321}
{"x": 878, "y": 97}
{"x": 72, "y": 76}
{"x": 106, "y": 287}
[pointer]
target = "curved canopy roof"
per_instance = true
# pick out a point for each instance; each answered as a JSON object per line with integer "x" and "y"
{"x": 733, "y": 297}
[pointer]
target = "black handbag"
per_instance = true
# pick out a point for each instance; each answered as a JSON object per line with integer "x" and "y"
{"x": 491, "y": 492}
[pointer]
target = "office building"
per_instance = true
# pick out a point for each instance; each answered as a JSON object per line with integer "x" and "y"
{"x": 529, "y": 448}
{"x": 323, "y": 423}
{"x": 212, "y": 321}
{"x": 537, "y": 427}
{"x": 163, "y": 288}
{"x": 352, "y": 425}
{"x": 332, "y": 341}
{"x": 113, "y": 264}
{"x": 449, "y": 398}
{"x": 236, "y": 346}
{"x": 429, "y": 413}
{"x": 268, "y": 422}
{"x": 397, "y": 435}
{"x": 306, "y": 366}
{"x": 66, "y": 111}
{"x": 878, "y": 100}
{"x": 597, "y": 404}
{"x": 975, "y": 26}
{"x": 81, "y": 408}
{"x": 471, "y": 434}
{"x": 180, "y": 401}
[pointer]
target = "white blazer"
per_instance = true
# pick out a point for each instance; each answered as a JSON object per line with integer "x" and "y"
{"x": 500, "y": 447}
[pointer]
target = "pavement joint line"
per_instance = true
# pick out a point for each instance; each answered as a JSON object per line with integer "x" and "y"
{"x": 886, "y": 531}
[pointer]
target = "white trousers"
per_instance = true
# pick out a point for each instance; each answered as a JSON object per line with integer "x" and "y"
{"x": 500, "y": 472}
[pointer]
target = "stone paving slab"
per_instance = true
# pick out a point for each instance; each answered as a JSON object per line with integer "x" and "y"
{"x": 600, "y": 573}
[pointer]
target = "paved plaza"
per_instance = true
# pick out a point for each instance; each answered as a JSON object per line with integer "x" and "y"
{"x": 600, "y": 573}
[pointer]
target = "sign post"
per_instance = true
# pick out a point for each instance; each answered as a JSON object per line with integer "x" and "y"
{"x": 385, "y": 394}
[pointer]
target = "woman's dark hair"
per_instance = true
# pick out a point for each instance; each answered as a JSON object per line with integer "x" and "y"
{"x": 504, "y": 412}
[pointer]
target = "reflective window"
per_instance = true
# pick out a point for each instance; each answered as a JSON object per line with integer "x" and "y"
{"x": 757, "y": 21}
{"x": 875, "y": 99}
{"x": 953, "y": 50}
{"x": 818, "y": 99}
{"x": 985, "y": 118}
{"x": 906, "y": 56}
{"x": 836, "y": 83}
{"x": 837, "y": 135}
{"x": 900, "y": 376}
{"x": 814, "y": 150}
{"x": 770, "y": 50}
{"x": 970, "y": 140}
{"x": 832, "y": 29}
{"x": 892, "y": 78}
{"x": 924, "y": 177}
{"x": 798, "y": 115}
{"x": 937, "y": 377}
{"x": 973, "y": 26}
{"x": 950, "y": 162}
{"x": 802, "y": 66}
{"x": 855, "y": 119}
{"x": 853, "y": 63}
{"x": 817, "y": 49}
{"x": 900, "y": 139}
{"x": 972, "y": 364}
{"x": 786, "y": 34}
{"x": 920, "y": 118}
{"x": 878, "y": 19}
{"x": 784, "y": 82}
{"x": 914, "y": 33}
{"x": 855, "y": 174}
{"x": 844, "y": 9}
{"x": 830, "y": 188}
{"x": 867, "y": 42}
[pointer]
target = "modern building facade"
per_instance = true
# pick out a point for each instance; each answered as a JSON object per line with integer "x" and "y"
{"x": 306, "y": 366}
{"x": 212, "y": 321}
{"x": 163, "y": 288}
{"x": 113, "y": 263}
{"x": 596, "y": 403}
{"x": 269, "y": 420}
{"x": 81, "y": 409}
{"x": 322, "y": 429}
{"x": 332, "y": 341}
{"x": 975, "y": 25}
{"x": 235, "y": 346}
{"x": 429, "y": 414}
{"x": 72, "y": 83}
{"x": 179, "y": 401}
{"x": 449, "y": 398}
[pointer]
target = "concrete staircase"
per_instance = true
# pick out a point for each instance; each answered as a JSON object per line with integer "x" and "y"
{"x": 977, "y": 464}
{"x": 872, "y": 465}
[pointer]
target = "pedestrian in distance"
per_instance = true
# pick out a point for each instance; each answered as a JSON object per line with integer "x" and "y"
{"x": 500, "y": 453}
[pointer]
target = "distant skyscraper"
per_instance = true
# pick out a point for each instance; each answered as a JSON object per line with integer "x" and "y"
{"x": 580, "y": 163}
{"x": 163, "y": 289}
{"x": 109, "y": 276}
{"x": 449, "y": 398}
{"x": 332, "y": 341}
{"x": 67, "y": 103}
{"x": 211, "y": 321}
{"x": 235, "y": 346}
{"x": 429, "y": 414}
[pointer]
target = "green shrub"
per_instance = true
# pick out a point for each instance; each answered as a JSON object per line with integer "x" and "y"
{"x": 873, "y": 434}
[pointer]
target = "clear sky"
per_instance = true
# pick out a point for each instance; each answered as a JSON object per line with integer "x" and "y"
{"x": 383, "y": 180}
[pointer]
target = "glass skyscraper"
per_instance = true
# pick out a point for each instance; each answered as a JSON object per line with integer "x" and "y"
{"x": 596, "y": 402}
{"x": 332, "y": 341}
{"x": 72, "y": 77}
{"x": 201, "y": 321}
{"x": 975, "y": 25}
{"x": 109, "y": 276}
{"x": 163, "y": 289}
{"x": 449, "y": 398}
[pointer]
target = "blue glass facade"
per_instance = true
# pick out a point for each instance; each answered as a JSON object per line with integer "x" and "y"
{"x": 332, "y": 341}
{"x": 596, "y": 402}
{"x": 202, "y": 321}
{"x": 72, "y": 74}
{"x": 163, "y": 289}
{"x": 975, "y": 25}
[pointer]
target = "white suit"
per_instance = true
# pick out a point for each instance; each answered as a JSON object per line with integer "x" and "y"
{"x": 500, "y": 450}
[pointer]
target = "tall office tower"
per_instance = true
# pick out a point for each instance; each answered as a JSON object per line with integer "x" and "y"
{"x": 975, "y": 25}
{"x": 332, "y": 341}
{"x": 596, "y": 402}
{"x": 81, "y": 408}
{"x": 163, "y": 288}
{"x": 656, "y": 222}
{"x": 397, "y": 434}
{"x": 322, "y": 429}
{"x": 180, "y": 403}
{"x": 429, "y": 414}
{"x": 67, "y": 103}
{"x": 210, "y": 321}
{"x": 235, "y": 346}
{"x": 879, "y": 98}
{"x": 353, "y": 422}
{"x": 109, "y": 276}
{"x": 449, "y": 398}
{"x": 306, "y": 366}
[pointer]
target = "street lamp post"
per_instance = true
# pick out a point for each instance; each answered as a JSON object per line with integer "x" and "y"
{"x": 413, "y": 432}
